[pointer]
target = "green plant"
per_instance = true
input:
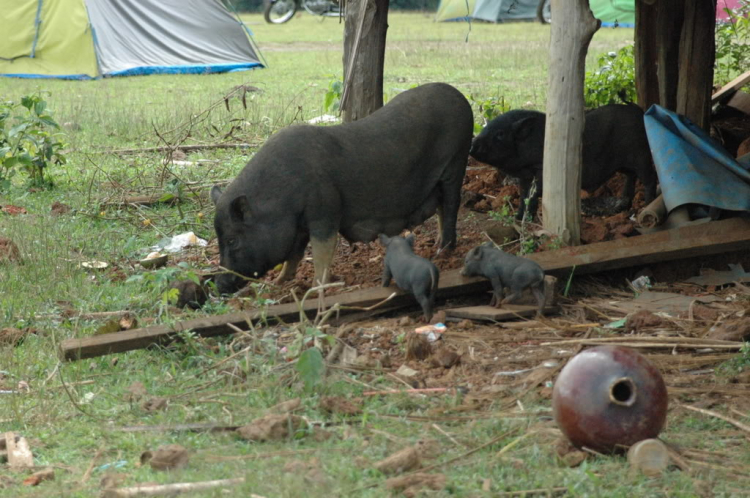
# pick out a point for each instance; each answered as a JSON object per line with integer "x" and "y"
{"x": 733, "y": 43}
{"x": 505, "y": 214}
{"x": 333, "y": 96}
{"x": 737, "y": 364}
{"x": 612, "y": 80}
{"x": 27, "y": 140}
{"x": 488, "y": 109}
{"x": 158, "y": 279}
{"x": 311, "y": 368}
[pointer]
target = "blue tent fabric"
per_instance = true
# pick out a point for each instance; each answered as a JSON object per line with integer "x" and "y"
{"x": 692, "y": 167}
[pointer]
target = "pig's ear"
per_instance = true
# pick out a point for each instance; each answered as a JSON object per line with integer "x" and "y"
{"x": 523, "y": 128}
{"x": 384, "y": 239}
{"x": 239, "y": 209}
{"x": 410, "y": 239}
{"x": 475, "y": 254}
{"x": 215, "y": 194}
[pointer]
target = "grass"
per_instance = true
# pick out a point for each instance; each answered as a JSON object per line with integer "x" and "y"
{"x": 74, "y": 427}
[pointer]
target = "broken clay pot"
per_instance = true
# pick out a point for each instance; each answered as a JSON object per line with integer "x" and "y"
{"x": 608, "y": 398}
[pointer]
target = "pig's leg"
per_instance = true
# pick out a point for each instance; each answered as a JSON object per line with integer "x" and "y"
{"x": 629, "y": 191}
{"x": 450, "y": 189}
{"x": 515, "y": 293}
{"x": 322, "y": 252}
{"x": 387, "y": 276}
{"x": 497, "y": 291}
{"x": 426, "y": 304}
{"x": 538, "y": 291}
{"x": 289, "y": 270}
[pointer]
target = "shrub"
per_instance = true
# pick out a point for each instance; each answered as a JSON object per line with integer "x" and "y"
{"x": 733, "y": 43}
{"x": 28, "y": 141}
{"x": 613, "y": 79}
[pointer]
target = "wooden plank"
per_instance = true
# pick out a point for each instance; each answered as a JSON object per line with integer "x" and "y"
{"x": 698, "y": 240}
{"x": 727, "y": 90}
{"x": 685, "y": 242}
{"x": 740, "y": 101}
{"x": 490, "y": 313}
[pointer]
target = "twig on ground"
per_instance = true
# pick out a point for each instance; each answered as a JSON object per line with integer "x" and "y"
{"x": 711, "y": 413}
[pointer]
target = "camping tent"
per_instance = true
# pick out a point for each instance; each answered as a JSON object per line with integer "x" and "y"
{"x": 611, "y": 12}
{"x": 489, "y": 10}
{"x": 81, "y": 39}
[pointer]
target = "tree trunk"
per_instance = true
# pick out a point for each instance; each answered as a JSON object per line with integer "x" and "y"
{"x": 571, "y": 33}
{"x": 646, "y": 79}
{"x": 696, "y": 62}
{"x": 364, "y": 57}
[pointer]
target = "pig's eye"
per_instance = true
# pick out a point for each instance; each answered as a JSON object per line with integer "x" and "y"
{"x": 499, "y": 137}
{"x": 231, "y": 242}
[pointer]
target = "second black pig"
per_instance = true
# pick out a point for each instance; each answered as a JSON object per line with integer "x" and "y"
{"x": 505, "y": 270}
{"x": 614, "y": 140}
{"x": 411, "y": 272}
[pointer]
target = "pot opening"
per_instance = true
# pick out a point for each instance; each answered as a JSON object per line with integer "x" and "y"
{"x": 622, "y": 392}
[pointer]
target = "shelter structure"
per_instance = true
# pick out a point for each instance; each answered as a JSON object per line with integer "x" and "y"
{"x": 83, "y": 39}
{"x": 489, "y": 10}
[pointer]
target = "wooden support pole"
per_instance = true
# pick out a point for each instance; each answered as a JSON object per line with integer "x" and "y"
{"x": 571, "y": 33}
{"x": 646, "y": 80}
{"x": 696, "y": 62}
{"x": 697, "y": 240}
{"x": 668, "y": 26}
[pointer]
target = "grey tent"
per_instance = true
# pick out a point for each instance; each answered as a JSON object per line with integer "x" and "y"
{"x": 80, "y": 39}
{"x": 507, "y": 10}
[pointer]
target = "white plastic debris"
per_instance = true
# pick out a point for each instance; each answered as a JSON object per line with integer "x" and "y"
{"x": 325, "y": 118}
{"x": 641, "y": 283}
{"x": 432, "y": 332}
{"x": 179, "y": 242}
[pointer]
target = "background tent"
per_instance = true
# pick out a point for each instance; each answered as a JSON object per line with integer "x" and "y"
{"x": 489, "y": 10}
{"x": 611, "y": 12}
{"x": 80, "y": 39}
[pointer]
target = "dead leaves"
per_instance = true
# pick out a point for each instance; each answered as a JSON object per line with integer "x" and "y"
{"x": 342, "y": 406}
{"x": 169, "y": 457}
{"x": 412, "y": 484}
{"x": 402, "y": 461}
{"x": 272, "y": 428}
{"x": 9, "y": 252}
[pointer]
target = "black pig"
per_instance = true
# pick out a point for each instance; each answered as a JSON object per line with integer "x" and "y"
{"x": 505, "y": 270}
{"x": 411, "y": 272}
{"x": 381, "y": 174}
{"x": 614, "y": 140}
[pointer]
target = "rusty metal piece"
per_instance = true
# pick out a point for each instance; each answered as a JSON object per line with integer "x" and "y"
{"x": 608, "y": 398}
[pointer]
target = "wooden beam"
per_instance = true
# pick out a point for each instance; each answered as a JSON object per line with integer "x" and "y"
{"x": 668, "y": 26}
{"x": 571, "y": 33}
{"x": 727, "y": 90}
{"x": 698, "y": 240}
{"x": 492, "y": 314}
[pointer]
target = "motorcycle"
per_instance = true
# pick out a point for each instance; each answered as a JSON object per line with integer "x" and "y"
{"x": 281, "y": 11}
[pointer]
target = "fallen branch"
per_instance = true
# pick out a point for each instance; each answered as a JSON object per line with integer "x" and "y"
{"x": 165, "y": 148}
{"x": 411, "y": 391}
{"x": 710, "y": 413}
{"x": 172, "y": 489}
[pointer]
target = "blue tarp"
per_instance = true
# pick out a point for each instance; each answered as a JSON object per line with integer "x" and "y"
{"x": 692, "y": 167}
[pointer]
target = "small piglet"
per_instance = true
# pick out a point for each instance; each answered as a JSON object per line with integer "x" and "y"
{"x": 505, "y": 270}
{"x": 411, "y": 272}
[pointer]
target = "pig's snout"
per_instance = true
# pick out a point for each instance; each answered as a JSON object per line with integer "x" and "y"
{"x": 464, "y": 273}
{"x": 226, "y": 283}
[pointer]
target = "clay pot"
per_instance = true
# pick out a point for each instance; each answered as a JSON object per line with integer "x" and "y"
{"x": 608, "y": 398}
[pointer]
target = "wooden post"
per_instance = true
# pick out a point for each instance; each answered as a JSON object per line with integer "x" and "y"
{"x": 571, "y": 33}
{"x": 696, "y": 62}
{"x": 646, "y": 80}
{"x": 364, "y": 57}
{"x": 669, "y": 19}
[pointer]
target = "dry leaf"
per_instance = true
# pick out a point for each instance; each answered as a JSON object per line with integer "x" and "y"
{"x": 37, "y": 477}
{"x": 135, "y": 391}
{"x": 286, "y": 406}
{"x": 401, "y": 461}
{"x": 337, "y": 404}
{"x": 167, "y": 457}
{"x": 271, "y": 428}
{"x": 412, "y": 483}
{"x": 154, "y": 404}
